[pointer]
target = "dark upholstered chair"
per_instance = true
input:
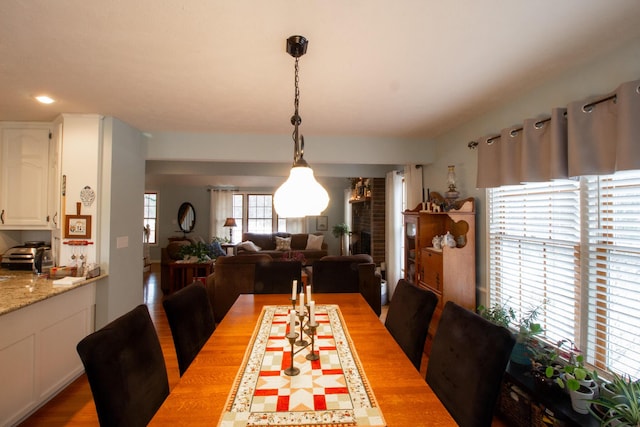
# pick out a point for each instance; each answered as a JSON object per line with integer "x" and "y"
{"x": 276, "y": 277}
{"x": 232, "y": 276}
{"x": 468, "y": 358}
{"x": 126, "y": 369}
{"x": 348, "y": 274}
{"x": 408, "y": 318}
{"x": 191, "y": 321}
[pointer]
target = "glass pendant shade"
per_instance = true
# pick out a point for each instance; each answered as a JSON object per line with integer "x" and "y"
{"x": 300, "y": 195}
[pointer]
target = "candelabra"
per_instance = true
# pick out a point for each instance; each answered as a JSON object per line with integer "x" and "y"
{"x": 292, "y": 336}
{"x": 302, "y": 342}
{"x": 312, "y": 333}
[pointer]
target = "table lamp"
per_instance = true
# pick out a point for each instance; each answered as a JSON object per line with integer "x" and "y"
{"x": 230, "y": 222}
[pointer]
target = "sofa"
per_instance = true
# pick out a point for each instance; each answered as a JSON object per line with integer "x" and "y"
{"x": 303, "y": 247}
{"x": 248, "y": 274}
{"x": 349, "y": 274}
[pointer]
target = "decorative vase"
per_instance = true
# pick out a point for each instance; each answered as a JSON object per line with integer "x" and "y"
{"x": 448, "y": 240}
{"x": 520, "y": 354}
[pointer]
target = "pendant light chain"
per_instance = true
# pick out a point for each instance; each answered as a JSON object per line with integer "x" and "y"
{"x": 296, "y": 120}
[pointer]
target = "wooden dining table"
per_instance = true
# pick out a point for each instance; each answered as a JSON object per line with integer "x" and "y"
{"x": 403, "y": 395}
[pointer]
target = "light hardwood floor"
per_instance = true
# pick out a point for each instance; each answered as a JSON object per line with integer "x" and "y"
{"x": 74, "y": 405}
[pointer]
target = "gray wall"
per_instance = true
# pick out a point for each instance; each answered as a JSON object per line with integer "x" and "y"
{"x": 121, "y": 219}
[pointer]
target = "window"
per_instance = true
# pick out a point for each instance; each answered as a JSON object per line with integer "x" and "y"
{"x": 576, "y": 246}
{"x": 150, "y": 217}
{"x": 259, "y": 213}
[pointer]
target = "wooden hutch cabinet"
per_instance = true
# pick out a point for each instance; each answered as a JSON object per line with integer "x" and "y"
{"x": 449, "y": 272}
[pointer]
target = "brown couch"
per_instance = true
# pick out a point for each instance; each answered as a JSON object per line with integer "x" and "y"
{"x": 344, "y": 274}
{"x": 267, "y": 244}
{"x": 252, "y": 273}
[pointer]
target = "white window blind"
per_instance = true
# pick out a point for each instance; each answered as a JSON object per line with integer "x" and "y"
{"x": 613, "y": 270}
{"x": 574, "y": 246}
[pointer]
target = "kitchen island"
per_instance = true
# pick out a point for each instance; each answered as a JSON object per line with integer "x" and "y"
{"x": 40, "y": 325}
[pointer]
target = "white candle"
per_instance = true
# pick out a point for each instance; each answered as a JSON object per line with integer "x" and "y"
{"x": 312, "y": 312}
{"x": 309, "y": 293}
{"x": 294, "y": 289}
{"x": 292, "y": 321}
{"x": 301, "y": 308}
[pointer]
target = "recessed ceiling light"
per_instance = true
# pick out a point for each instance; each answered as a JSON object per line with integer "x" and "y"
{"x": 45, "y": 99}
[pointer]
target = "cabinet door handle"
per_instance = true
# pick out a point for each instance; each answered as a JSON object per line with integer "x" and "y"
{"x": 55, "y": 220}
{"x": 2, "y": 216}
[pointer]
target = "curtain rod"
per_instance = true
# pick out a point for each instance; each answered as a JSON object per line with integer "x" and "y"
{"x": 222, "y": 188}
{"x": 586, "y": 108}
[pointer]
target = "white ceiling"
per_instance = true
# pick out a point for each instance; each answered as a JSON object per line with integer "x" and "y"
{"x": 379, "y": 68}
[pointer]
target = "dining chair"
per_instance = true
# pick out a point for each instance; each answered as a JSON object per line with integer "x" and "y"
{"x": 276, "y": 277}
{"x": 408, "y": 318}
{"x": 126, "y": 370}
{"x": 191, "y": 321}
{"x": 469, "y": 355}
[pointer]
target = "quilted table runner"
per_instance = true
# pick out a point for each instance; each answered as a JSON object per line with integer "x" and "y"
{"x": 331, "y": 391}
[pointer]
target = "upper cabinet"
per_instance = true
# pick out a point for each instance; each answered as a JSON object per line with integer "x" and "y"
{"x": 25, "y": 172}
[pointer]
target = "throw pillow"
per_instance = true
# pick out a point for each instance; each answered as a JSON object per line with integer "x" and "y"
{"x": 283, "y": 243}
{"x": 217, "y": 250}
{"x": 314, "y": 242}
{"x": 248, "y": 245}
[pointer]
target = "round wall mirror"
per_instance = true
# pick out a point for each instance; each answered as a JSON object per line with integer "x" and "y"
{"x": 186, "y": 217}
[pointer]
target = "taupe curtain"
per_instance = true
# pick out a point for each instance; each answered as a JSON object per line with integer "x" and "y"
{"x": 597, "y": 136}
{"x": 221, "y": 203}
{"x": 413, "y": 184}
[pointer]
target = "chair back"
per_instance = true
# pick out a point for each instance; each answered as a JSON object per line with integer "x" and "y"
{"x": 338, "y": 274}
{"x": 276, "y": 277}
{"x": 191, "y": 321}
{"x": 408, "y": 318}
{"x": 466, "y": 365}
{"x": 125, "y": 369}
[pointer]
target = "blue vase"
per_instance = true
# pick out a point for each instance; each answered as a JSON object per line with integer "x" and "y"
{"x": 520, "y": 354}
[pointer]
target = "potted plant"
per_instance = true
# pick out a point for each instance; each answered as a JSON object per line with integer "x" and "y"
{"x": 546, "y": 367}
{"x": 196, "y": 252}
{"x": 525, "y": 328}
{"x": 579, "y": 381}
{"x": 339, "y": 231}
{"x": 620, "y": 408}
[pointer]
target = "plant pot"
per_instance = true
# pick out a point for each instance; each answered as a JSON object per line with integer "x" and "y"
{"x": 607, "y": 390}
{"x": 580, "y": 399}
{"x": 545, "y": 385}
{"x": 521, "y": 354}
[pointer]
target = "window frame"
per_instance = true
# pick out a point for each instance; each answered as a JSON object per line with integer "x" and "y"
{"x": 153, "y": 237}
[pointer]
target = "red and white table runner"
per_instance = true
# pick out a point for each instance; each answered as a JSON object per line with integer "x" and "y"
{"x": 332, "y": 391}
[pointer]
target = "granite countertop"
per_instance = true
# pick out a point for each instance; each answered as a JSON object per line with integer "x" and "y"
{"x": 22, "y": 288}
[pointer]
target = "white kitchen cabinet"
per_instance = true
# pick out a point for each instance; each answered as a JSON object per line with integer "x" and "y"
{"x": 38, "y": 355}
{"x": 24, "y": 175}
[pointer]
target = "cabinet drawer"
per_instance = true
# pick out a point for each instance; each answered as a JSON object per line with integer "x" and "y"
{"x": 432, "y": 269}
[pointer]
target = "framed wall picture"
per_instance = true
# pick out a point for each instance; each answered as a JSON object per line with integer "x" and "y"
{"x": 322, "y": 223}
{"x": 77, "y": 226}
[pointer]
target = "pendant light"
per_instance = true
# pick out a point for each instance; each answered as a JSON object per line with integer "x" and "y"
{"x": 300, "y": 195}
